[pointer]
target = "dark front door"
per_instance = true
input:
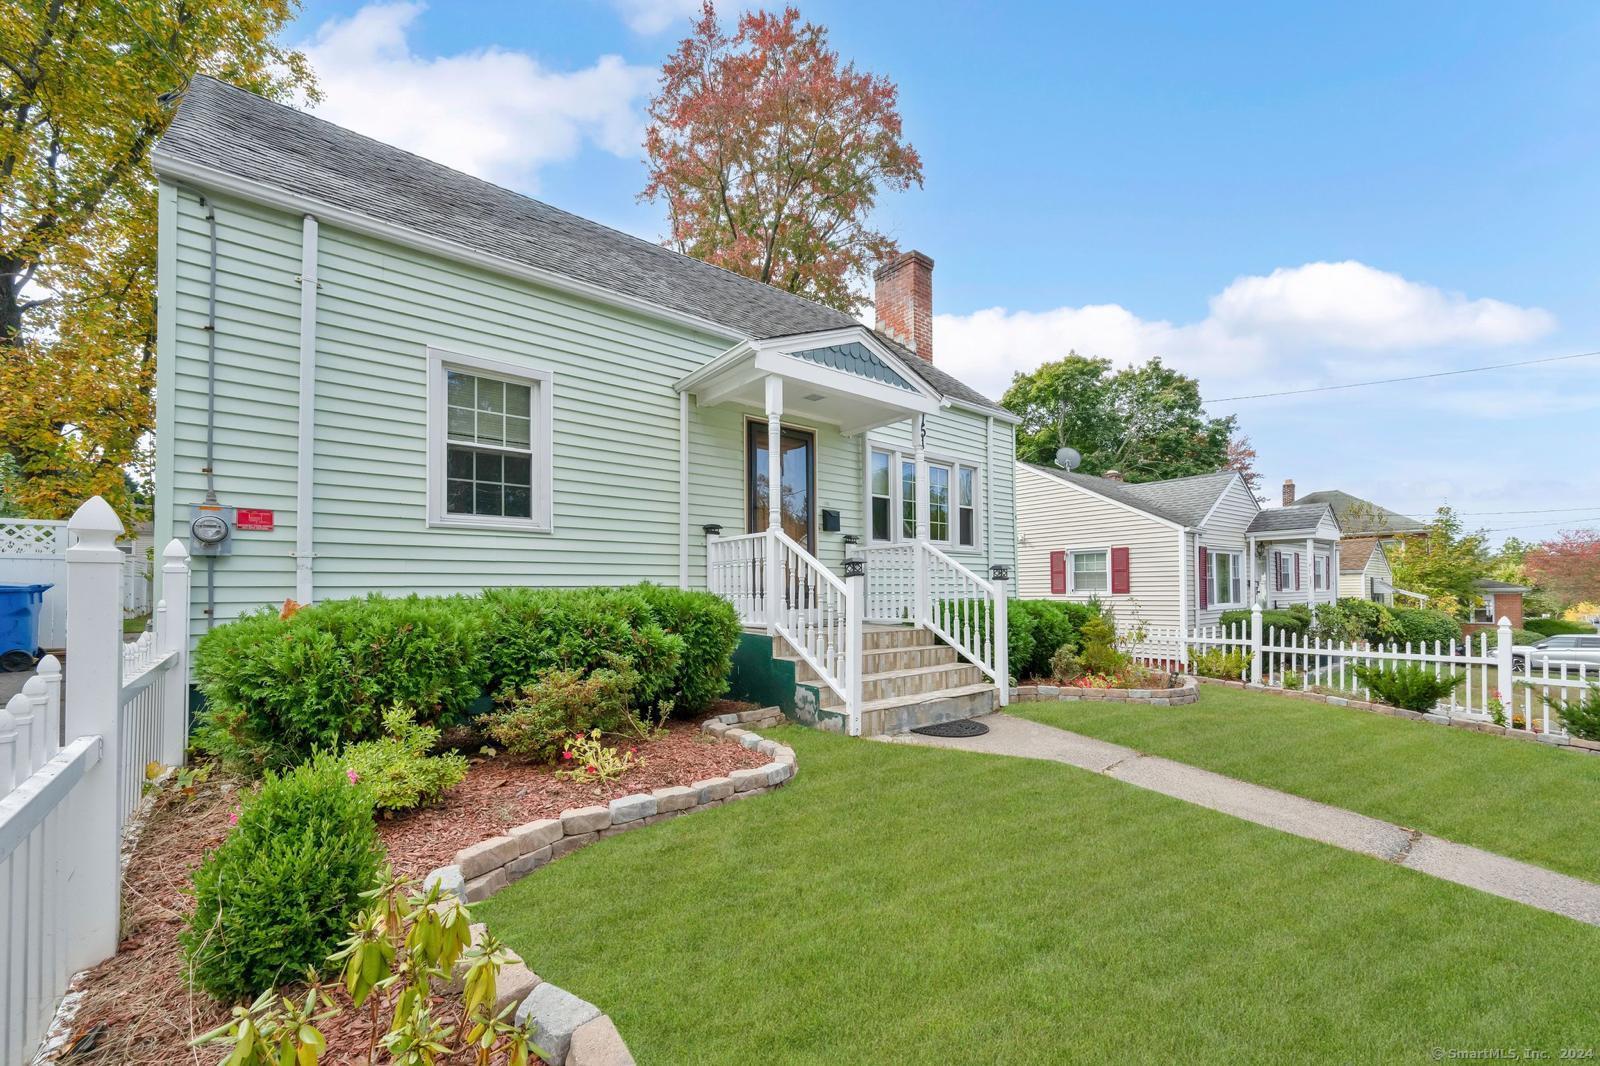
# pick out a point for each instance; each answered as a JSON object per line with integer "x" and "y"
{"x": 799, "y": 457}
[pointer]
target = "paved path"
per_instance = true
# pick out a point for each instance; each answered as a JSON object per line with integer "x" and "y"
{"x": 1496, "y": 874}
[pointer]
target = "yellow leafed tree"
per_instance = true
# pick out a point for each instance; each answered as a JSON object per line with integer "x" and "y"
{"x": 86, "y": 89}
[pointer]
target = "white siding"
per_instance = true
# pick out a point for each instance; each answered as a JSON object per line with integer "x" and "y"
{"x": 1359, "y": 585}
{"x": 1055, "y": 516}
{"x": 1224, "y": 532}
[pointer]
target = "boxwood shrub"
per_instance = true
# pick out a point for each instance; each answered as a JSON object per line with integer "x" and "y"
{"x": 277, "y": 896}
{"x": 277, "y": 688}
{"x": 1037, "y": 629}
{"x": 1418, "y": 625}
{"x": 1285, "y": 622}
{"x": 709, "y": 628}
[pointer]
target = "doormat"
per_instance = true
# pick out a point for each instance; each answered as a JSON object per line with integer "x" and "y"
{"x": 961, "y": 727}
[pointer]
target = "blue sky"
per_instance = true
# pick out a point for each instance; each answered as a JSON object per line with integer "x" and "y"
{"x": 1269, "y": 196}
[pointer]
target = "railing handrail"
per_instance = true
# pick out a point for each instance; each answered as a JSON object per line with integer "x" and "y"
{"x": 811, "y": 560}
{"x": 987, "y": 654}
{"x": 719, "y": 539}
{"x": 960, "y": 568}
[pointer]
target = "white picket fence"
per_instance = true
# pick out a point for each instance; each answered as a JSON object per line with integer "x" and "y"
{"x": 1491, "y": 689}
{"x": 33, "y": 551}
{"x": 64, "y": 806}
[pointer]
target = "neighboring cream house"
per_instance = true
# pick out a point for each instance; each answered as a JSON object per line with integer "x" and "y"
{"x": 1364, "y": 572}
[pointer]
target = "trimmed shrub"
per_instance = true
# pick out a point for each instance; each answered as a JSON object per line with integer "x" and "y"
{"x": 279, "y": 688}
{"x": 1368, "y": 620}
{"x": 1410, "y": 686}
{"x": 277, "y": 896}
{"x": 1581, "y": 715}
{"x": 1556, "y": 627}
{"x": 1227, "y": 663}
{"x": 537, "y": 720}
{"x": 531, "y": 631}
{"x": 398, "y": 767}
{"x": 1036, "y": 629}
{"x": 709, "y": 628}
{"x": 1283, "y": 621}
{"x": 1418, "y": 625}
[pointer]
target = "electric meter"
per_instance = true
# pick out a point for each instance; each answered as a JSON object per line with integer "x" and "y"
{"x": 210, "y": 530}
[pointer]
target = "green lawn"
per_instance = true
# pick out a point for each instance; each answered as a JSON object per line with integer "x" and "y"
{"x": 904, "y": 904}
{"x": 1515, "y": 797}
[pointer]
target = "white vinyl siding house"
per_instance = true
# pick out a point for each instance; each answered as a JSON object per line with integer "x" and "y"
{"x": 423, "y": 411}
{"x": 1297, "y": 548}
{"x": 1364, "y": 571}
{"x": 1226, "y": 582}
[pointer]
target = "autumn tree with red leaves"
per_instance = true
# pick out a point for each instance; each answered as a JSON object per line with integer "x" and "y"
{"x": 770, "y": 153}
{"x": 1567, "y": 568}
{"x": 1242, "y": 461}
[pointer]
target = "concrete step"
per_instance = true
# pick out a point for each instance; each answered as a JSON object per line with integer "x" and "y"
{"x": 918, "y": 681}
{"x": 904, "y": 713}
{"x": 883, "y": 661}
{"x": 877, "y": 638}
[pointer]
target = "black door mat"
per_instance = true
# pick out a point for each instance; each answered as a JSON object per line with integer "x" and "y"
{"x": 961, "y": 727}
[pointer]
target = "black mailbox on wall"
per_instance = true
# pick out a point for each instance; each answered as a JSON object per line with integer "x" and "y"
{"x": 830, "y": 521}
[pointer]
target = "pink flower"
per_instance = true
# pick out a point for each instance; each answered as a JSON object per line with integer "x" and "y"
{"x": 592, "y": 769}
{"x": 233, "y": 817}
{"x": 566, "y": 755}
{"x": 353, "y": 776}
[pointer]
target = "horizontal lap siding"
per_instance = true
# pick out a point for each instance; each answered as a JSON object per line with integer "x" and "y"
{"x": 1054, "y": 516}
{"x": 1224, "y": 533}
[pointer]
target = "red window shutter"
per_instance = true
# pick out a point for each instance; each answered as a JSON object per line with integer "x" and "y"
{"x": 1058, "y": 573}
{"x": 1205, "y": 576}
{"x": 1297, "y": 570}
{"x": 1119, "y": 571}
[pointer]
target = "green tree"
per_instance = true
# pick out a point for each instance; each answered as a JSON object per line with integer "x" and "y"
{"x": 1442, "y": 561}
{"x": 1145, "y": 421}
{"x": 86, "y": 89}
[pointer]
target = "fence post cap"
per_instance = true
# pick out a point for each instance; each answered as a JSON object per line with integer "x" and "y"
{"x": 855, "y": 567}
{"x": 95, "y": 516}
{"x": 175, "y": 552}
{"x": 999, "y": 572}
{"x": 34, "y": 687}
{"x": 49, "y": 666}
{"x": 1505, "y": 622}
{"x": 711, "y": 529}
{"x": 19, "y": 706}
{"x": 8, "y": 723}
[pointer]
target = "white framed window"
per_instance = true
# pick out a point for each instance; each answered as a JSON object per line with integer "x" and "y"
{"x": 489, "y": 457}
{"x": 1225, "y": 571}
{"x": 1285, "y": 574}
{"x": 1322, "y": 572}
{"x": 1089, "y": 571}
{"x": 955, "y": 494}
{"x": 1484, "y": 612}
{"x": 880, "y": 495}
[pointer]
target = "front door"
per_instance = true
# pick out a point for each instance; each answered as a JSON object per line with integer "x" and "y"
{"x": 799, "y": 457}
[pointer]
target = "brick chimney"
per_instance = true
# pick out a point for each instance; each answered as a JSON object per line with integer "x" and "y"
{"x": 1113, "y": 475}
{"x": 904, "y": 301}
{"x": 1288, "y": 493}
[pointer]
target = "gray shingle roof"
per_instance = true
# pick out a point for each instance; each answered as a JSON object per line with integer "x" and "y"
{"x": 1357, "y": 516}
{"x": 1184, "y": 500}
{"x": 854, "y": 358}
{"x": 1289, "y": 519}
{"x": 1487, "y": 584}
{"x": 241, "y": 134}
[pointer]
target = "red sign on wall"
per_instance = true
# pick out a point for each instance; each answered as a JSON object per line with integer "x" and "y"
{"x": 260, "y": 521}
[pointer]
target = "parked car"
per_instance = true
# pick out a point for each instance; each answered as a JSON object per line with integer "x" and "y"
{"x": 1559, "y": 652}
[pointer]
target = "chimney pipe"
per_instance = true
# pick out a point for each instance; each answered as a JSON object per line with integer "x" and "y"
{"x": 1288, "y": 493}
{"x": 903, "y": 299}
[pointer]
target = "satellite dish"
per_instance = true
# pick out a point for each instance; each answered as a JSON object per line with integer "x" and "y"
{"x": 1068, "y": 458}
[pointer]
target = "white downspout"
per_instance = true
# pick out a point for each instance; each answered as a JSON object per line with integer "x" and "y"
{"x": 304, "y": 544}
{"x": 1183, "y": 583}
{"x": 988, "y": 490}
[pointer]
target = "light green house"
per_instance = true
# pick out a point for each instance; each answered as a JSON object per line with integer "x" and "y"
{"x": 384, "y": 375}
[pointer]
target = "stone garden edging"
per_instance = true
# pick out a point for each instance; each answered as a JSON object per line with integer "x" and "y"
{"x": 1182, "y": 694}
{"x": 571, "y": 1031}
{"x": 1554, "y": 740}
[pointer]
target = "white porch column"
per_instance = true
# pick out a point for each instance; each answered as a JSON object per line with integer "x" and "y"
{"x": 919, "y": 429}
{"x": 774, "y": 498}
{"x": 1333, "y": 579}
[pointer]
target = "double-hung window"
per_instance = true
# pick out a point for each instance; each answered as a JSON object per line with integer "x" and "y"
{"x": 488, "y": 444}
{"x": 1224, "y": 574}
{"x": 953, "y": 499}
{"x": 1285, "y": 575}
{"x": 1323, "y": 572}
{"x": 1089, "y": 571}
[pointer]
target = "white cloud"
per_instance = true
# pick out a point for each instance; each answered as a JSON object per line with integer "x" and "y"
{"x": 1309, "y": 324}
{"x": 492, "y": 112}
{"x": 653, "y": 16}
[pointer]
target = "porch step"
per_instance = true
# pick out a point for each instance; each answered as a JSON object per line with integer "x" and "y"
{"x": 918, "y": 681}
{"x": 879, "y": 638}
{"x": 903, "y": 713}
{"x": 882, "y": 660}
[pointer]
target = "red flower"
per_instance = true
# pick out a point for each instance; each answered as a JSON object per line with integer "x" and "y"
{"x": 566, "y": 755}
{"x": 592, "y": 769}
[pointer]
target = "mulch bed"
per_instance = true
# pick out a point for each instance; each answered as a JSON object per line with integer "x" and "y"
{"x": 141, "y": 998}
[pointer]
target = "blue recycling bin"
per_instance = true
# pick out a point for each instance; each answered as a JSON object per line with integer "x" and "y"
{"x": 19, "y": 625}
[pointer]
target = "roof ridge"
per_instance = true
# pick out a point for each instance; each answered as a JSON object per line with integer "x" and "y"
{"x": 387, "y": 146}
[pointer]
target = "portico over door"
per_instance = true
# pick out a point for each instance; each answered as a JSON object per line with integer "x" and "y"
{"x": 798, "y": 455}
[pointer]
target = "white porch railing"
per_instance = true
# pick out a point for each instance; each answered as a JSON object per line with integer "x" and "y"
{"x": 63, "y": 807}
{"x": 1527, "y": 698}
{"x": 773, "y": 581}
{"x": 814, "y": 613}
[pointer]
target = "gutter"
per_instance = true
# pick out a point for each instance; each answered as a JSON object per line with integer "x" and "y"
{"x": 305, "y": 462}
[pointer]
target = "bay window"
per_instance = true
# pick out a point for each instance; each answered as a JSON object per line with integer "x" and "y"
{"x": 953, "y": 499}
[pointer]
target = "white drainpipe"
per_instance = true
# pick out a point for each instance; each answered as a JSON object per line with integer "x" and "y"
{"x": 305, "y": 466}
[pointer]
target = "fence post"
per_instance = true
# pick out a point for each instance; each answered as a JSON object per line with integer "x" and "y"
{"x": 1000, "y": 574}
{"x": 49, "y": 671}
{"x": 94, "y": 696}
{"x": 172, "y": 638}
{"x": 1255, "y": 641}
{"x": 1503, "y": 678}
{"x": 855, "y": 590}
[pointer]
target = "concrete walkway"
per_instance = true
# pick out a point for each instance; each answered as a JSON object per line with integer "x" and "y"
{"x": 1483, "y": 870}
